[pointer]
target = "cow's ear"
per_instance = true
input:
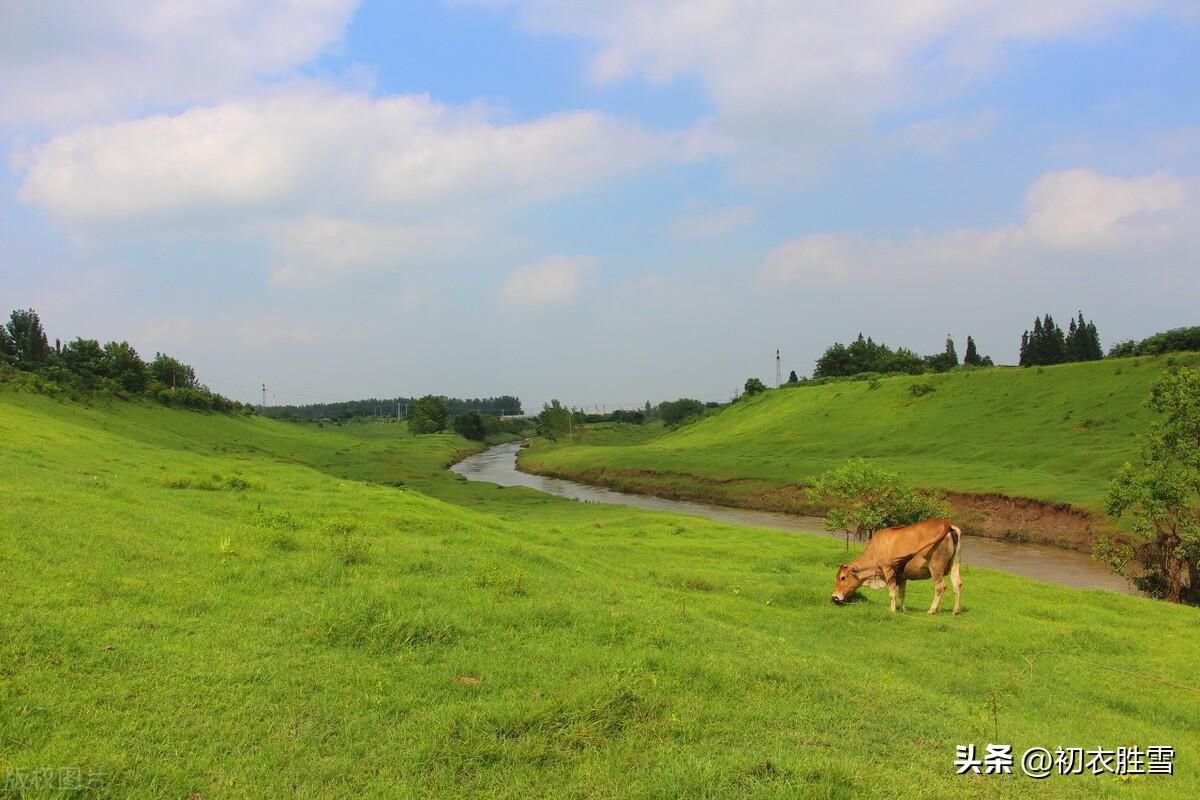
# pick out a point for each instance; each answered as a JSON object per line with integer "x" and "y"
{"x": 842, "y": 566}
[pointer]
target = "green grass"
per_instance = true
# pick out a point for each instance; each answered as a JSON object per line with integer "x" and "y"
{"x": 244, "y": 608}
{"x": 1056, "y": 434}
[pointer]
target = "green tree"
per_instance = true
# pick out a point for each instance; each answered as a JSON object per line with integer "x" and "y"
{"x": 123, "y": 364}
{"x": 971, "y": 357}
{"x": 862, "y": 498}
{"x": 29, "y": 346}
{"x": 85, "y": 358}
{"x": 554, "y": 420}
{"x": 470, "y": 425}
{"x": 1162, "y": 495}
{"x": 676, "y": 411}
{"x": 173, "y": 373}
{"x": 754, "y": 386}
{"x": 792, "y": 377}
{"x": 427, "y": 415}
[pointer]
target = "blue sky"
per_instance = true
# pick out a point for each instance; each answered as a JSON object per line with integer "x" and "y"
{"x": 604, "y": 202}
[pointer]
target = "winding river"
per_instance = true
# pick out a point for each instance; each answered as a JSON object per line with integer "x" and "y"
{"x": 1040, "y": 562}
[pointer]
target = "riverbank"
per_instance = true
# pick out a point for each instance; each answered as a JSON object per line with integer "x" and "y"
{"x": 1040, "y": 562}
{"x": 994, "y": 516}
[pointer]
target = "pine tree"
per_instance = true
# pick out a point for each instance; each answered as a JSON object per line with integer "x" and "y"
{"x": 972, "y": 355}
{"x": 1094, "y": 351}
{"x": 28, "y": 339}
{"x": 1024, "y": 362}
{"x": 951, "y": 353}
{"x": 792, "y": 377}
{"x": 1074, "y": 343}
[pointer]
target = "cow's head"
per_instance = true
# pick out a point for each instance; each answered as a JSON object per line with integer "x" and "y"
{"x": 846, "y": 583}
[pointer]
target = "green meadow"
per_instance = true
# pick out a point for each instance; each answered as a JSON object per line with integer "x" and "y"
{"x": 1056, "y": 434}
{"x": 227, "y": 607}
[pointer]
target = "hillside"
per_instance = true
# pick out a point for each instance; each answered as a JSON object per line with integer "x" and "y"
{"x": 238, "y": 607}
{"x": 1055, "y": 434}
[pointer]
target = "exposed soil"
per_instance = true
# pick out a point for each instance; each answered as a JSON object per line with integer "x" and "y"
{"x": 995, "y": 516}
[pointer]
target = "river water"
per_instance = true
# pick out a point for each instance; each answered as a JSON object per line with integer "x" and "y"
{"x": 1040, "y": 562}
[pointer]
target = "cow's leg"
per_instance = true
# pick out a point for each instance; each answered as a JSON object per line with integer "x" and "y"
{"x": 901, "y": 585}
{"x": 957, "y": 581}
{"x": 939, "y": 588}
{"x": 892, "y": 591}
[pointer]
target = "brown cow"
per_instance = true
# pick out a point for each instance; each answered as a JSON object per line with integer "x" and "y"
{"x": 895, "y": 556}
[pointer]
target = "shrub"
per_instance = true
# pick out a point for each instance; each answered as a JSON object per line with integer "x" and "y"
{"x": 921, "y": 389}
{"x": 862, "y": 498}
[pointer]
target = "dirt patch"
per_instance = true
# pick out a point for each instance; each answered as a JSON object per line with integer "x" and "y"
{"x": 994, "y": 516}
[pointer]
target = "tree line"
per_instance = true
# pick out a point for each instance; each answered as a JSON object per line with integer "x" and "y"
{"x": 85, "y": 367}
{"x": 864, "y": 354}
{"x": 500, "y": 406}
{"x": 1047, "y": 344}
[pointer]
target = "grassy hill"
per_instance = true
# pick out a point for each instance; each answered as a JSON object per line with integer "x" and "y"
{"x": 233, "y": 607}
{"x": 1056, "y": 434}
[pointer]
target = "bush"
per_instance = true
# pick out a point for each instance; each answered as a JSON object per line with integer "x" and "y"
{"x": 863, "y": 498}
{"x": 921, "y": 389}
{"x": 675, "y": 412}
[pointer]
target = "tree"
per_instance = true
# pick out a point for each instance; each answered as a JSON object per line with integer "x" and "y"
{"x": 85, "y": 358}
{"x": 554, "y": 420}
{"x": 123, "y": 364}
{"x": 427, "y": 415}
{"x": 792, "y": 377}
{"x": 29, "y": 346}
{"x": 861, "y": 498}
{"x": 470, "y": 425}
{"x": 754, "y": 386}
{"x": 1162, "y": 495}
{"x": 676, "y": 411}
{"x": 1045, "y": 345}
{"x": 173, "y": 373}
{"x": 971, "y": 357}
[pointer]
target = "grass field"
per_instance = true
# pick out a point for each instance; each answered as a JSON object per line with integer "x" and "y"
{"x": 238, "y": 608}
{"x": 1056, "y": 434}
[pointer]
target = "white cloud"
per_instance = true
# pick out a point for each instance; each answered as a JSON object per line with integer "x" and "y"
{"x": 63, "y": 61}
{"x": 317, "y": 251}
{"x": 1080, "y": 209}
{"x": 340, "y": 184}
{"x": 1069, "y": 214}
{"x": 401, "y": 153}
{"x": 800, "y": 75}
{"x": 550, "y": 282}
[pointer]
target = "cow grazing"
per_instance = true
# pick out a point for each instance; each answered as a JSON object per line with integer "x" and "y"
{"x": 894, "y": 556}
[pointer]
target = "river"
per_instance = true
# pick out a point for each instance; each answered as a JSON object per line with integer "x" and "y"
{"x": 1040, "y": 562}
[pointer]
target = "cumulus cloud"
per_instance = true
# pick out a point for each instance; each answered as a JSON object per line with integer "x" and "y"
{"x": 550, "y": 282}
{"x": 339, "y": 183}
{"x": 1067, "y": 214}
{"x": 784, "y": 73}
{"x": 64, "y": 61}
{"x": 402, "y": 153}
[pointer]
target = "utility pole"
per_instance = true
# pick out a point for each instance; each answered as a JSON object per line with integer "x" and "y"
{"x": 778, "y": 370}
{"x": 264, "y": 400}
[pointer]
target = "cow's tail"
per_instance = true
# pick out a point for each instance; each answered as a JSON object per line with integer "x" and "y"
{"x": 956, "y": 557}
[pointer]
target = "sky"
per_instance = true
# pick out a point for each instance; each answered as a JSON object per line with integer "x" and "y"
{"x": 600, "y": 201}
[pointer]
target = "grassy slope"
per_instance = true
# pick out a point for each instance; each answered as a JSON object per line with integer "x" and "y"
{"x": 302, "y": 637}
{"x": 1055, "y": 434}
